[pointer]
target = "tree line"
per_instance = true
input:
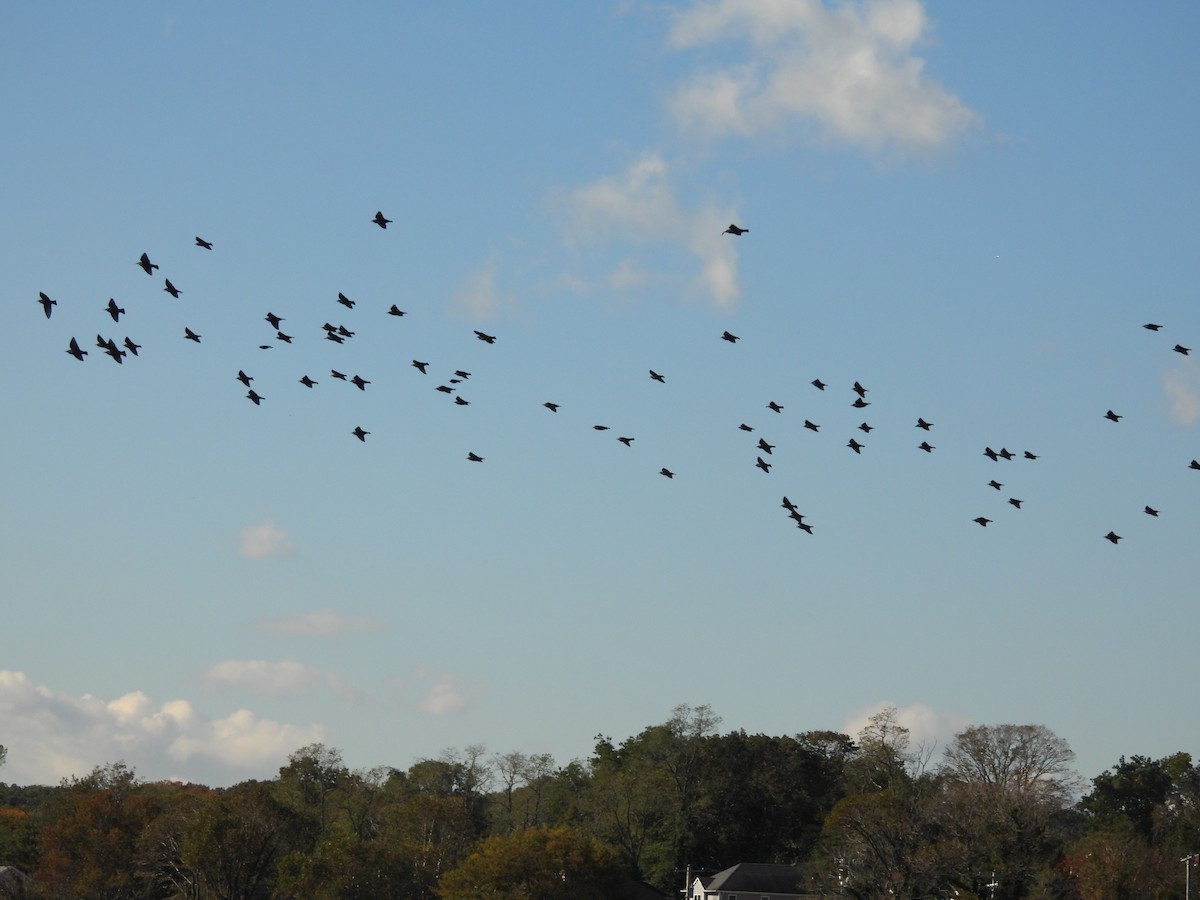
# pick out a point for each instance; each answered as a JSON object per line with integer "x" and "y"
{"x": 1000, "y": 815}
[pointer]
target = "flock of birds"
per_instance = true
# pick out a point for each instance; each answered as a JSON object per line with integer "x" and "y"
{"x": 340, "y": 334}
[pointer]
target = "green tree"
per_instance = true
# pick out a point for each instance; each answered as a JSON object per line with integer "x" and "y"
{"x": 555, "y": 863}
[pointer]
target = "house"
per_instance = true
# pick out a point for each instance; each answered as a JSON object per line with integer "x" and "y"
{"x": 751, "y": 881}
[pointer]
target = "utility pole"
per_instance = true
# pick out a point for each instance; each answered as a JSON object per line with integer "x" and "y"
{"x": 1188, "y": 861}
{"x": 993, "y": 884}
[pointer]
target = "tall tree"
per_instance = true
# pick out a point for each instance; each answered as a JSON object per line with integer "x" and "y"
{"x": 1030, "y": 760}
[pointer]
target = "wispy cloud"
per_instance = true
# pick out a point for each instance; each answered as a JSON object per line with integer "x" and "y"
{"x": 1182, "y": 387}
{"x": 280, "y": 678}
{"x": 51, "y": 735}
{"x": 442, "y": 693}
{"x": 317, "y": 623}
{"x": 926, "y": 727}
{"x": 263, "y": 540}
{"x": 851, "y": 69}
{"x": 639, "y": 207}
{"x": 479, "y": 298}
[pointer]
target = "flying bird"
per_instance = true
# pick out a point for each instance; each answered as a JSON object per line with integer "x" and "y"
{"x": 860, "y": 390}
{"x": 445, "y": 389}
{"x": 1194, "y": 465}
{"x": 46, "y": 303}
{"x": 380, "y": 220}
{"x": 865, "y": 428}
{"x": 860, "y": 403}
{"x": 1015, "y": 502}
{"x": 308, "y": 382}
{"x": 804, "y": 526}
{"x": 132, "y": 347}
{"x": 600, "y": 427}
{"x": 74, "y": 350}
{"x": 1151, "y": 326}
{"x": 818, "y": 384}
{"x": 244, "y": 378}
{"x": 1005, "y": 454}
{"x": 981, "y": 520}
{"x": 1112, "y": 536}
{"x": 734, "y": 230}
{"x": 774, "y": 407}
{"x": 474, "y": 457}
{"x": 171, "y": 289}
{"x": 280, "y": 336}
{"x": 147, "y": 266}
{"x": 1029, "y": 455}
{"x": 274, "y": 320}
{"x": 667, "y": 473}
{"x": 461, "y": 374}
{"x": 344, "y": 331}
{"x": 359, "y": 382}
{"x": 360, "y": 434}
{"x": 255, "y": 397}
{"x": 335, "y": 337}
{"x": 336, "y": 374}
{"x": 1112, "y": 416}
{"x": 745, "y": 427}
{"x": 420, "y": 365}
{"x": 113, "y": 310}
{"x": 990, "y": 454}
{"x": 111, "y": 348}
{"x": 1179, "y": 348}
{"x": 811, "y": 426}
{"x": 627, "y": 441}
{"x": 855, "y": 445}
{"x": 732, "y": 338}
{"x": 921, "y": 423}
{"x": 553, "y": 407}
{"x": 201, "y": 242}
{"x": 995, "y": 484}
{"x": 763, "y": 464}
{"x": 394, "y": 310}
{"x": 788, "y": 504}
{"x": 765, "y": 447}
{"x": 461, "y": 402}
{"x": 656, "y": 377}
{"x": 345, "y": 301}
{"x": 486, "y": 338}
{"x": 190, "y": 335}
{"x": 1151, "y": 511}
{"x": 926, "y": 446}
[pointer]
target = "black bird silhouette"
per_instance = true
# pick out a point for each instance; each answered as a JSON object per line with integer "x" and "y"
{"x": 981, "y": 520}
{"x": 461, "y": 374}
{"x": 111, "y": 348}
{"x": 1151, "y": 511}
{"x": 818, "y": 384}
{"x": 1194, "y": 465}
{"x": 553, "y": 407}
{"x": 860, "y": 403}
{"x": 654, "y": 375}
{"x": 113, "y": 310}
{"x": 763, "y": 464}
{"x": 865, "y": 428}
{"x": 774, "y": 407}
{"x": 475, "y": 457}
{"x": 308, "y": 382}
{"x": 344, "y": 331}
{"x": 805, "y": 527}
{"x": 345, "y": 301}
{"x": 335, "y": 337}
{"x": 600, "y": 427}
{"x": 995, "y": 484}
{"x": 860, "y": 390}
{"x": 1005, "y": 454}
{"x": 47, "y": 303}
{"x": 132, "y": 347}
{"x": 990, "y": 454}
{"x": 380, "y": 220}
{"x": 171, "y": 289}
{"x": 336, "y": 374}
{"x": 666, "y": 472}
{"x": 74, "y": 350}
{"x": 1179, "y": 348}
{"x": 734, "y": 230}
{"x": 788, "y": 504}
{"x": 280, "y": 336}
{"x": 926, "y": 446}
{"x": 201, "y": 242}
{"x": 190, "y": 335}
{"x": 745, "y": 427}
{"x": 1029, "y": 455}
{"x": 765, "y": 447}
{"x": 329, "y": 327}
{"x": 394, "y": 310}
{"x": 486, "y": 338}
{"x": 921, "y": 423}
{"x": 359, "y": 382}
{"x": 1015, "y": 502}
{"x": 265, "y": 347}
{"x": 244, "y": 378}
{"x": 360, "y": 434}
{"x": 627, "y": 441}
{"x": 1112, "y": 416}
{"x": 1112, "y": 536}
{"x": 732, "y": 338}
{"x": 255, "y": 397}
{"x": 855, "y": 445}
{"x": 274, "y": 320}
{"x": 461, "y": 402}
{"x": 445, "y": 389}
{"x": 420, "y": 365}
{"x": 147, "y": 266}
{"x": 1151, "y": 326}
{"x": 811, "y": 426}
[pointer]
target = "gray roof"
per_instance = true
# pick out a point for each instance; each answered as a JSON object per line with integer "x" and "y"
{"x": 760, "y": 878}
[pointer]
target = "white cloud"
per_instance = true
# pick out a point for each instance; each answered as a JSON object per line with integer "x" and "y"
{"x": 478, "y": 298}
{"x": 262, "y": 540}
{"x": 442, "y": 693}
{"x": 639, "y": 207}
{"x": 284, "y": 678}
{"x": 1182, "y": 388}
{"x": 317, "y": 623}
{"x": 850, "y": 69}
{"x": 52, "y": 735}
{"x": 926, "y": 727}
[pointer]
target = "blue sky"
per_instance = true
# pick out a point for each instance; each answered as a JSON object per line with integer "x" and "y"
{"x": 972, "y": 211}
